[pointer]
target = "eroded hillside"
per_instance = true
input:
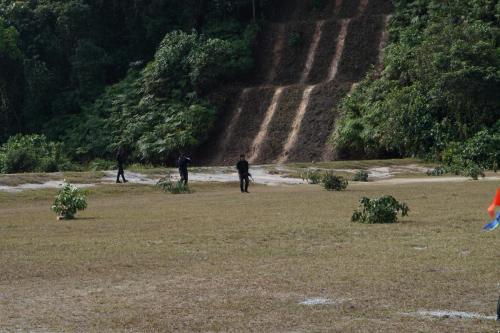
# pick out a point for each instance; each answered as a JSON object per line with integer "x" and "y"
{"x": 307, "y": 60}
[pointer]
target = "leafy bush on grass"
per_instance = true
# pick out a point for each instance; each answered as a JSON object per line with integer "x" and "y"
{"x": 332, "y": 182}
{"x": 174, "y": 187}
{"x": 360, "y": 176}
{"x": 379, "y": 210}
{"x": 68, "y": 201}
{"x": 29, "y": 153}
{"x": 312, "y": 176}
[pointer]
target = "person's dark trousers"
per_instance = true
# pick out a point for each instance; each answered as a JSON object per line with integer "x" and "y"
{"x": 184, "y": 176}
{"x": 121, "y": 172}
{"x": 498, "y": 309}
{"x": 244, "y": 183}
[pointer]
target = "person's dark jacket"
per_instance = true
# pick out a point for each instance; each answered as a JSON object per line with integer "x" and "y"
{"x": 121, "y": 157}
{"x": 242, "y": 167}
{"x": 183, "y": 162}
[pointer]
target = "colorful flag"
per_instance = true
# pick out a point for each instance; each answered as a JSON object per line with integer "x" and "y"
{"x": 496, "y": 202}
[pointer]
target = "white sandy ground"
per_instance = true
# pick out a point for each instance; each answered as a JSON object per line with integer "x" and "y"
{"x": 451, "y": 314}
{"x": 49, "y": 184}
{"x": 262, "y": 175}
{"x": 322, "y": 301}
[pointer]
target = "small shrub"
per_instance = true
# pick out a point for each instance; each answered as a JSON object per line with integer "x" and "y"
{"x": 68, "y": 201}
{"x": 312, "y": 176}
{"x": 332, "y": 182}
{"x": 439, "y": 171}
{"x": 174, "y": 187}
{"x": 473, "y": 171}
{"x": 379, "y": 210}
{"x": 360, "y": 176}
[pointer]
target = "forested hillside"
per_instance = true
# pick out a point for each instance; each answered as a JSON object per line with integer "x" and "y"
{"x": 97, "y": 74}
{"x": 161, "y": 76}
{"x": 438, "y": 95}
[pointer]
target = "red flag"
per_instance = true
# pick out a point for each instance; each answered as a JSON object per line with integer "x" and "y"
{"x": 496, "y": 202}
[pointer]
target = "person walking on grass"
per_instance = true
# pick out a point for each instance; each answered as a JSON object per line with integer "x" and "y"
{"x": 182, "y": 163}
{"x": 120, "y": 159}
{"x": 243, "y": 167}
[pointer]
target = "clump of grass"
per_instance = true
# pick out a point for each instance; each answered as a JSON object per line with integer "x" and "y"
{"x": 332, "y": 182}
{"x": 312, "y": 176}
{"x": 439, "y": 171}
{"x": 166, "y": 184}
{"x": 379, "y": 210}
{"x": 360, "y": 176}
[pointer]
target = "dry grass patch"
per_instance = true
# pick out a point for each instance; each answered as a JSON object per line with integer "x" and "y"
{"x": 217, "y": 260}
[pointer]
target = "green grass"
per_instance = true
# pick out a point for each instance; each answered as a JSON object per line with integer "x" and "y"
{"x": 144, "y": 261}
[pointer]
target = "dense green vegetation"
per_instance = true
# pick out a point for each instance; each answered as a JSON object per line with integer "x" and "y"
{"x": 437, "y": 96}
{"x": 97, "y": 74}
{"x": 28, "y": 153}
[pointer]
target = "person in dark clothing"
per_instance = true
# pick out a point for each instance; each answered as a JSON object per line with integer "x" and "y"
{"x": 243, "y": 167}
{"x": 182, "y": 163}
{"x": 498, "y": 309}
{"x": 120, "y": 159}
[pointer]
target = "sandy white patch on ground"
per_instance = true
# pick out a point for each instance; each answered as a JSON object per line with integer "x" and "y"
{"x": 217, "y": 174}
{"x": 261, "y": 175}
{"x": 321, "y": 301}
{"x": 317, "y": 301}
{"x": 451, "y": 314}
{"x": 401, "y": 181}
{"x": 49, "y": 184}
{"x": 131, "y": 177}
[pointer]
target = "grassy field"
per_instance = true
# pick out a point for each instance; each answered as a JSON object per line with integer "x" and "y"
{"x": 139, "y": 260}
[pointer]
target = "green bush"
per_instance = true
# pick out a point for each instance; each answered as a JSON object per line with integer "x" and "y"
{"x": 312, "y": 176}
{"x": 68, "y": 201}
{"x": 439, "y": 171}
{"x": 475, "y": 155}
{"x": 360, "y": 176}
{"x": 100, "y": 164}
{"x": 379, "y": 210}
{"x": 32, "y": 153}
{"x": 332, "y": 182}
{"x": 166, "y": 184}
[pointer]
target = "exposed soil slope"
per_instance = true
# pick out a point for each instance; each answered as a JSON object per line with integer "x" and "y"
{"x": 307, "y": 59}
